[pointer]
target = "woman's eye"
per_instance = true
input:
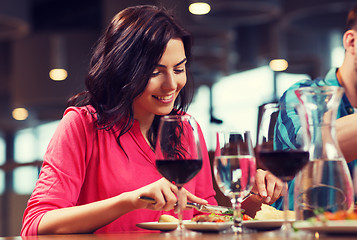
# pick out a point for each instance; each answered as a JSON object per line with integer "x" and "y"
{"x": 155, "y": 73}
{"x": 179, "y": 70}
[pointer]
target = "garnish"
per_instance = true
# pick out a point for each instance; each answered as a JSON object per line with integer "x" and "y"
{"x": 338, "y": 215}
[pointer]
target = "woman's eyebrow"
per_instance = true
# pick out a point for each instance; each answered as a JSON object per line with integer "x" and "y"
{"x": 178, "y": 64}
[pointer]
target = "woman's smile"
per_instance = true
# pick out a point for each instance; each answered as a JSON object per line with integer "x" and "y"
{"x": 165, "y": 98}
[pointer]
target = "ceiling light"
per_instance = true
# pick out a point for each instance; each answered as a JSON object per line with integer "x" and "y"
{"x": 58, "y": 58}
{"x": 199, "y": 8}
{"x": 278, "y": 65}
{"x": 20, "y": 114}
{"x": 58, "y": 74}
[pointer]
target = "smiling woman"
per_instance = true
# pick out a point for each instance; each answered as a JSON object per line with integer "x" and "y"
{"x": 100, "y": 159}
{"x": 167, "y": 80}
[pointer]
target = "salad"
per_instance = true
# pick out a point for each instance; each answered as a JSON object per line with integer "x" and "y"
{"x": 217, "y": 218}
{"x": 338, "y": 215}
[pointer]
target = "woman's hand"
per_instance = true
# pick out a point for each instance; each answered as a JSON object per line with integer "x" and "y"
{"x": 165, "y": 195}
{"x": 267, "y": 186}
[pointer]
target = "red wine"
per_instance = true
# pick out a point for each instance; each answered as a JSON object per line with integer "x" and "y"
{"x": 284, "y": 164}
{"x": 179, "y": 171}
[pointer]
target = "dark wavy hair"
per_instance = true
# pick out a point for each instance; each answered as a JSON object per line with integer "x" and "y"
{"x": 351, "y": 22}
{"x": 123, "y": 61}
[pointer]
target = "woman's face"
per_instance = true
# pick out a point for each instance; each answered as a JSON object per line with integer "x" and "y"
{"x": 168, "y": 78}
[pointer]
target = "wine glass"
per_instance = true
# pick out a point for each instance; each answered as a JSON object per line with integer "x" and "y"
{"x": 281, "y": 159}
{"x": 234, "y": 170}
{"x": 178, "y": 154}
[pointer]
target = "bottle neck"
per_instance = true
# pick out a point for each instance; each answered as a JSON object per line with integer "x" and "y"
{"x": 324, "y": 144}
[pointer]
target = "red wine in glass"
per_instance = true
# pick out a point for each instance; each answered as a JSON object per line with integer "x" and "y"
{"x": 178, "y": 154}
{"x": 284, "y": 164}
{"x": 179, "y": 171}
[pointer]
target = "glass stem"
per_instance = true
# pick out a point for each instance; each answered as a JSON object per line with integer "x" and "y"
{"x": 286, "y": 225}
{"x": 237, "y": 217}
{"x": 179, "y": 209}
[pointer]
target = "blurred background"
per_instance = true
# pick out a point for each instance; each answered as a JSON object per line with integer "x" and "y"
{"x": 235, "y": 43}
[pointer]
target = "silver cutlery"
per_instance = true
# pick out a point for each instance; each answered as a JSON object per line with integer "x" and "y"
{"x": 198, "y": 207}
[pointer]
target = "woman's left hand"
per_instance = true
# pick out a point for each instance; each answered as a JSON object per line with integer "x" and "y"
{"x": 267, "y": 186}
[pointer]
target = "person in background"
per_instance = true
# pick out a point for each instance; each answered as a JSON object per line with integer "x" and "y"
{"x": 101, "y": 157}
{"x": 346, "y": 124}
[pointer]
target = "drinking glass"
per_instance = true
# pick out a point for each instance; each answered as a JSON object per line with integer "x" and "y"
{"x": 284, "y": 161}
{"x": 234, "y": 170}
{"x": 178, "y": 154}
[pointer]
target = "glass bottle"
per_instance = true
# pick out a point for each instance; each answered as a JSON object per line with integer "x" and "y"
{"x": 325, "y": 182}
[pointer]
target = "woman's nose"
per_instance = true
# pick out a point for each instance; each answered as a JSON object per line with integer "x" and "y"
{"x": 170, "y": 81}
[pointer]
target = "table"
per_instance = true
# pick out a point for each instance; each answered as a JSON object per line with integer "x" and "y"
{"x": 268, "y": 235}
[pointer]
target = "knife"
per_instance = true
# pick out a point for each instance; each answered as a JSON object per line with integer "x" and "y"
{"x": 198, "y": 207}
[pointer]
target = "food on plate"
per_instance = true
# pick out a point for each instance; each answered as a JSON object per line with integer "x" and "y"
{"x": 338, "y": 215}
{"x": 246, "y": 217}
{"x": 217, "y": 218}
{"x": 211, "y": 218}
{"x": 167, "y": 218}
{"x": 268, "y": 212}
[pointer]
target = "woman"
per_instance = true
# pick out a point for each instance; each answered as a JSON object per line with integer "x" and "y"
{"x": 101, "y": 158}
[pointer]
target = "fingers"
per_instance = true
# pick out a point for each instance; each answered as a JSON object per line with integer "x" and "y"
{"x": 260, "y": 183}
{"x": 162, "y": 191}
{"x": 165, "y": 197}
{"x": 194, "y": 198}
{"x": 165, "y": 200}
{"x": 186, "y": 196}
{"x": 268, "y": 186}
{"x": 274, "y": 188}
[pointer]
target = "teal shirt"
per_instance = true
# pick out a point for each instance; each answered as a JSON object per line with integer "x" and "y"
{"x": 287, "y": 127}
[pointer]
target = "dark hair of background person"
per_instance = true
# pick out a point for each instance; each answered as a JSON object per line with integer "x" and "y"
{"x": 351, "y": 22}
{"x": 123, "y": 61}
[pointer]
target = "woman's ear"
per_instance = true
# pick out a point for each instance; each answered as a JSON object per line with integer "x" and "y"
{"x": 349, "y": 41}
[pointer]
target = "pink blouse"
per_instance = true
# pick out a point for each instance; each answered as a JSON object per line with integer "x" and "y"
{"x": 83, "y": 164}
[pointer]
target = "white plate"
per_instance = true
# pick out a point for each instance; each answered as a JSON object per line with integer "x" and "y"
{"x": 338, "y": 226}
{"x": 162, "y": 226}
{"x": 207, "y": 226}
{"x": 259, "y": 225}
{"x": 264, "y": 224}
{"x": 169, "y": 226}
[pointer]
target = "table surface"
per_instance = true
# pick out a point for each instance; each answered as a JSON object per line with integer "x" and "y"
{"x": 266, "y": 235}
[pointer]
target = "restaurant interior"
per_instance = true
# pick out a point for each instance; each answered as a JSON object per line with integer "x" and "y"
{"x": 235, "y": 47}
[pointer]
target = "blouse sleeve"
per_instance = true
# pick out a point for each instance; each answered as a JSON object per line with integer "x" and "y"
{"x": 63, "y": 169}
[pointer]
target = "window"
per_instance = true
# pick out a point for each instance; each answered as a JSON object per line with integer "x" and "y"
{"x": 236, "y": 99}
{"x": 337, "y": 49}
{"x": 26, "y": 145}
{"x": 30, "y": 145}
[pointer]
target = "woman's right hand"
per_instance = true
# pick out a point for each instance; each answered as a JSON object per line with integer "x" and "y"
{"x": 162, "y": 191}
{"x": 165, "y": 195}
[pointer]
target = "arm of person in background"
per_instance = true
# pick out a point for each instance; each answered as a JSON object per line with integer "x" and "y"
{"x": 346, "y": 130}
